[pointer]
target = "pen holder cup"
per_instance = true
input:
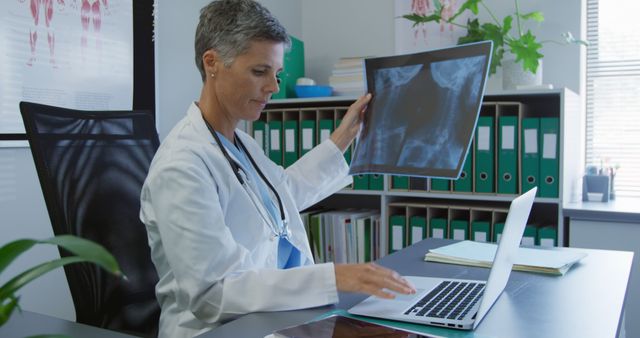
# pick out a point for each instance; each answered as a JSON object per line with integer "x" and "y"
{"x": 596, "y": 187}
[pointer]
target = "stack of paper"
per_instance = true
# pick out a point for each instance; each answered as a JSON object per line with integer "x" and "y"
{"x": 347, "y": 77}
{"x": 556, "y": 262}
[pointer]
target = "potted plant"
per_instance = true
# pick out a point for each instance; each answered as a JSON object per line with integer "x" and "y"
{"x": 81, "y": 250}
{"x": 507, "y": 34}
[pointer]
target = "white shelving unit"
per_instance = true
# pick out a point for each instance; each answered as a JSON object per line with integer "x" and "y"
{"x": 561, "y": 103}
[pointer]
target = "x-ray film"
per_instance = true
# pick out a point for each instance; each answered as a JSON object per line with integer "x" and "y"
{"x": 424, "y": 110}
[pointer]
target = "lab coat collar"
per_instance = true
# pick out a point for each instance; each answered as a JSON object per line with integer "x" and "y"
{"x": 195, "y": 116}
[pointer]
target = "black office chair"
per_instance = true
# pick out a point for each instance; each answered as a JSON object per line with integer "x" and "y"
{"x": 91, "y": 166}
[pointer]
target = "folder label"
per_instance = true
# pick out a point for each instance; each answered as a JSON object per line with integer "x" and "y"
{"x": 259, "y": 137}
{"x": 484, "y": 138}
{"x": 547, "y": 242}
{"x": 397, "y": 237}
{"x": 549, "y": 147}
{"x": 275, "y": 139}
{"x": 307, "y": 138}
{"x": 531, "y": 141}
{"x": 480, "y": 236}
{"x": 459, "y": 234}
{"x": 438, "y": 233}
{"x": 416, "y": 234}
{"x": 507, "y": 137}
{"x": 324, "y": 134}
{"x": 528, "y": 241}
{"x": 289, "y": 142}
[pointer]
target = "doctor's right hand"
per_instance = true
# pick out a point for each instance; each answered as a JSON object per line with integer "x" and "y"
{"x": 372, "y": 279}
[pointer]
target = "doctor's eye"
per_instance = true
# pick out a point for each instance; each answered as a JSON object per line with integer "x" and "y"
{"x": 278, "y": 79}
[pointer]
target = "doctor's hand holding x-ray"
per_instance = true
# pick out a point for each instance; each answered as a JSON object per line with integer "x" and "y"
{"x": 222, "y": 219}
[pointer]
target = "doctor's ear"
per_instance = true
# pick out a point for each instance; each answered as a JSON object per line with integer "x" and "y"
{"x": 211, "y": 62}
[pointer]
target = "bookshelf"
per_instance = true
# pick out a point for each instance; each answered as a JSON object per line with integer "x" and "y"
{"x": 562, "y": 104}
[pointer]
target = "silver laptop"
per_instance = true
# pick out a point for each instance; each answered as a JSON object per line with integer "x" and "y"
{"x": 457, "y": 303}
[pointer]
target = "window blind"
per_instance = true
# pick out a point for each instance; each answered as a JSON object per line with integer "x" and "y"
{"x": 613, "y": 92}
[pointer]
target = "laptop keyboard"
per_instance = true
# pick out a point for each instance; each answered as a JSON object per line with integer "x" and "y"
{"x": 448, "y": 300}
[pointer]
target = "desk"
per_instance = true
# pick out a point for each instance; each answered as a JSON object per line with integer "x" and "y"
{"x": 586, "y": 302}
{"x": 27, "y": 323}
{"x": 610, "y": 226}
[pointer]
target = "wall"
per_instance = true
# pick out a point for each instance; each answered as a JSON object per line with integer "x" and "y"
{"x": 24, "y": 215}
{"x": 366, "y": 28}
{"x": 178, "y": 81}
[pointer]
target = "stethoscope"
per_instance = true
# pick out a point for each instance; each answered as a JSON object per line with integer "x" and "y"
{"x": 239, "y": 172}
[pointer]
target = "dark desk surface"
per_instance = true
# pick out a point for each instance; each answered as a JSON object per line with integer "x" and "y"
{"x": 30, "y": 323}
{"x": 586, "y": 302}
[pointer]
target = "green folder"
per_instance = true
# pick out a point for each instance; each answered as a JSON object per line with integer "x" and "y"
{"x": 361, "y": 182}
{"x": 484, "y": 148}
{"x": 417, "y": 229}
{"x": 400, "y": 182}
{"x": 438, "y": 184}
{"x": 497, "y": 231}
{"x": 368, "y": 239}
{"x": 260, "y": 134}
{"x": 507, "y": 155}
{"x": 376, "y": 182}
{"x": 459, "y": 229}
{"x": 480, "y": 231}
{"x": 549, "y": 128}
{"x": 290, "y": 142}
{"x": 325, "y": 128}
{"x": 397, "y": 230}
{"x": 307, "y": 136}
{"x": 547, "y": 236}
{"x": 275, "y": 141}
{"x": 437, "y": 227}
{"x": 530, "y": 235}
{"x": 315, "y": 233}
{"x": 530, "y": 153}
{"x": 292, "y": 69}
{"x": 463, "y": 183}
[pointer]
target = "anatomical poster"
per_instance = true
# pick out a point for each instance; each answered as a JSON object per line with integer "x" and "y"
{"x": 69, "y": 53}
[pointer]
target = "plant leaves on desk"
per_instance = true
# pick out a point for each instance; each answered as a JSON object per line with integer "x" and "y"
{"x": 83, "y": 250}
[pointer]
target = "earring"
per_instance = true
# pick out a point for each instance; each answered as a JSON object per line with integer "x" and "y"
{"x": 213, "y": 75}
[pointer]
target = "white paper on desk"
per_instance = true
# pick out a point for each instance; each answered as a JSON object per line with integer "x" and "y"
{"x": 485, "y": 252}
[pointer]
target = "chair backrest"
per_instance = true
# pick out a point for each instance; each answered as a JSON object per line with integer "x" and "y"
{"x": 91, "y": 166}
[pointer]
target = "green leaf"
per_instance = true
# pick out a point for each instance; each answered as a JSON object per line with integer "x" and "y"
{"x": 507, "y": 23}
{"x": 10, "y": 251}
{"x": 535, "y": 16}
{"x": 568, "y": 38}
{"x": 90, "y": 251}
{"x": 6, "y": 308}
{"x": 437, "y": 5}
{"x": 419, "y": 19}
{"x": 9, "y": 288}
{"x": 526, "y": 49}
{"x": 471, "y": 5}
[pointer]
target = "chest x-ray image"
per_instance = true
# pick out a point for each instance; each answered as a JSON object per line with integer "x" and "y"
{"x": 424, "y": 109}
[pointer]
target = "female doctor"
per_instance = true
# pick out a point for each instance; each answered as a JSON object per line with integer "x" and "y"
{"x": 222, "y": 219}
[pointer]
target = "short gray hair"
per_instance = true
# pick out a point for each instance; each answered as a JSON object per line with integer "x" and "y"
{"x": 229, "y": 26}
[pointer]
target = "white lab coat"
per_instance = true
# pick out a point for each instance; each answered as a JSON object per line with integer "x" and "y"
{"x": 214, "y": 253}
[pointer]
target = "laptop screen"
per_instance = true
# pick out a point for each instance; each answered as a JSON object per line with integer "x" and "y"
{"x": 424, "y": 110}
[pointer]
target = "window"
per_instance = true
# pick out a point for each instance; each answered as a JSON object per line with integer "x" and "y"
{"x": 613, "y": 91}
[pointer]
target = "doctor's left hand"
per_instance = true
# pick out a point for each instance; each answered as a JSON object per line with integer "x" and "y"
{"x": 350, "y": 126}
{"x": 372, "y": 279}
